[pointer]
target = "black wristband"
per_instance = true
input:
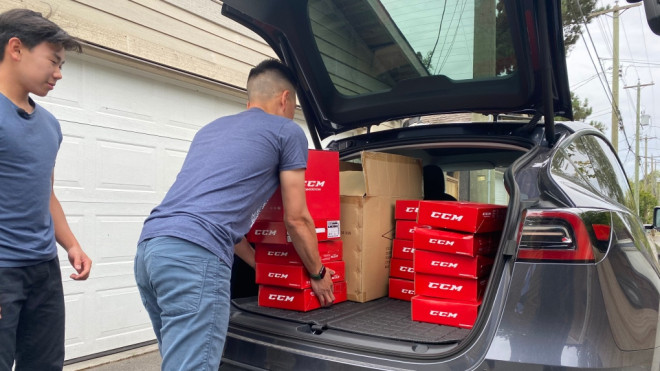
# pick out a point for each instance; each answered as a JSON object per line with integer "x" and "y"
{"x": 320, "y": 275}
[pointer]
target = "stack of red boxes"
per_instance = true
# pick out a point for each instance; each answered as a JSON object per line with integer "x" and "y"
{"x": 451, "y": 259}
{"x": 401, "y": 265}
{"x": 283, "y": 280}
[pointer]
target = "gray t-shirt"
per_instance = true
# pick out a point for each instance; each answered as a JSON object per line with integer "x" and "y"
{"x": 231, "y": 170}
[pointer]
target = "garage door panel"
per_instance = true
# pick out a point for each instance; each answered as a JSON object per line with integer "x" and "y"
{"x": 135, "y": 161}
{"x": 72, "y": 156}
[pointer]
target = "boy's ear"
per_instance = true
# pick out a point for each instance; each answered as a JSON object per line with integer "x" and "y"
{"x": 13, "y": 48}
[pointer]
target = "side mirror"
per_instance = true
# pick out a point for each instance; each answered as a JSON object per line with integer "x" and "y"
{"x": 652, "y": 9}
{"x": 656, "y": 217}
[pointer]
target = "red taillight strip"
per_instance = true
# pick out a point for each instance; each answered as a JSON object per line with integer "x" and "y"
{"x": 583, "y": 252}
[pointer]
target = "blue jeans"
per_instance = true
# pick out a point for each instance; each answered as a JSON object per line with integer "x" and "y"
{"x": 185, "y": 289}
{"x": 32, "y": 324}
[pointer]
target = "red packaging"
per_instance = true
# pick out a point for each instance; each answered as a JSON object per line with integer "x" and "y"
{"x": 455, "y": 242}
{"x": 405, "y": 229}
{"x": 271, "y": 232}
{"x": 452, "y": 265}
{"x": 445, "y": 287}
{"x": 444, "y": 312}
{"x": 286, "y": 254}
{"x": 470, "y": 217}
{"x": 294, "y": 299}
{"x": 401, "y": 289}
{"x": 402, "y": 249}
{"x": 400, "y": 268}
{"x": 321, "y": 189}
{"x": 294, "y": 276}
{"x": 406, "y": 209}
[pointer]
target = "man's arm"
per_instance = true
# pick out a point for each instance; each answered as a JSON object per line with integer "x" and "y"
{"x": 63, "y": 235}
{"x": 244, "y": 251}
{"x": 300, "y": 225}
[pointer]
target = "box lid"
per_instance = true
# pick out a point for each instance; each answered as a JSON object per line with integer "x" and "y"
{"x": 383, "y": 174}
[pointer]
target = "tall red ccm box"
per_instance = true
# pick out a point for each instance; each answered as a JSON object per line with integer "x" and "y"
{"x": 321, "y": 189}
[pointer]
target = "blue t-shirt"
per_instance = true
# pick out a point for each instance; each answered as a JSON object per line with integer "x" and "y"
{"x": 231, "y": 170}
{"x": 28, "y": 148}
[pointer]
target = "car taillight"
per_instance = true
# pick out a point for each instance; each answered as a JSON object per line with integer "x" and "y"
{"x": 569, "y": 235}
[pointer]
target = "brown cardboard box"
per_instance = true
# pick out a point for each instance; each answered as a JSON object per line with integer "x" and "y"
{"x": 368, "y": 194}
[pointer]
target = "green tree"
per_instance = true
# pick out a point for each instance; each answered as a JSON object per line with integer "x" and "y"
{"x": 646, "y": 204}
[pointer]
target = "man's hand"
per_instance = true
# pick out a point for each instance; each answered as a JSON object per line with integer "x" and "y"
{"x": 323, "y": 289}
{"x": 80, "y": 262}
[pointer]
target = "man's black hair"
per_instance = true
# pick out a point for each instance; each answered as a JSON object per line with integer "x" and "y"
{"x": 273, "y": 65}
{"x": 32, "y": 29}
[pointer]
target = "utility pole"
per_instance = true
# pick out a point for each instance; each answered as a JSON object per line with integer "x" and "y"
{"x": 616, "y": 114}
{"x": 637, "y": 158}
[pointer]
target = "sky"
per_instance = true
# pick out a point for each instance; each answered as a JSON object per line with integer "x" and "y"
{"x": 590, "y": 74}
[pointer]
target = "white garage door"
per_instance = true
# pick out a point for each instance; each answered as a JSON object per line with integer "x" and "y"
{"x": 126, "y": 133}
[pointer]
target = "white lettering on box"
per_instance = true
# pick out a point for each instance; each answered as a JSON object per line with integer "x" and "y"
{"x": 444, "y": 286}
{"x": 436, "y": 263}
{"x": 408, "y": 291}
{"x": 439, "y": 313}
{"x": 265, "y": 232}
{"x": 281, "y": 298}
{"x": 406, "y": 269}
{"x": 441, "y": 242}
{"x": 278, "y": 253}
{"x": 408, "y": 249}
{"x": 278, "y": 275}
{"x": 314, "y": 183}
{"x": 446, "y": 216}
{"x": 411, "y": 209}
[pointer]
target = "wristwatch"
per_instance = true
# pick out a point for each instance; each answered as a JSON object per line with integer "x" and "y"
{"x": 318, "y": 276}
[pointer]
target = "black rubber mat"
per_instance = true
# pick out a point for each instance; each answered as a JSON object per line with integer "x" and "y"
{"x": 385, "y": 318}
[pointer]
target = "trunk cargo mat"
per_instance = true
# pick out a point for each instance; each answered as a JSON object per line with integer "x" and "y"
{"x": 385, "y": 318}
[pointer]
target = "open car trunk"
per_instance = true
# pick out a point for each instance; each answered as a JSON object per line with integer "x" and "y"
{"x": 474, "y": 169}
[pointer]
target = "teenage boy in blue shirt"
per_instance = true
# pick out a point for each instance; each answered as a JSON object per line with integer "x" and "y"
{"x": 31, "y": 218}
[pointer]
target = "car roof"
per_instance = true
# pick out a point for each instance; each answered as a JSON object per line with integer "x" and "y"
{"x": 362, "y": 62}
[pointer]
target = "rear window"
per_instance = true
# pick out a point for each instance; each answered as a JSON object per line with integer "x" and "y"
{"x": 370, "y": 46}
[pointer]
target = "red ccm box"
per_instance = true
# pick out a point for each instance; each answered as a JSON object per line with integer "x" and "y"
{"x": 401, "y": 289}
{"x": 270, "y": 232}
{"x": 451, "y": 264}
{"x": 321, "y": 189}
{"x": 455, "y": 242}
{"x": 402, "y": 249}
{"x": 444, "y": 312}
{"x": 406, "y": 209}
{"x": 405, "y": 229}
{"x": 445, "y": 287}
{"x": 293, "y": 299}
{"x": 472, "y": 217}
{"x": 400, "y": 268}
{"x": 286, "y": 254}
{"x": 294, "y": 276}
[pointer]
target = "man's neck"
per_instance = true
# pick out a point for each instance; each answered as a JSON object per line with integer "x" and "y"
{"x": 14, "y": 92}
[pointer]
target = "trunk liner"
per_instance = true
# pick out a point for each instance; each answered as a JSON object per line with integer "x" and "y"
{"x": 385, "y": 318}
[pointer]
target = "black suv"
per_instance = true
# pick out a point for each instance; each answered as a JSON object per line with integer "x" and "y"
{"x": 471, "y": 86}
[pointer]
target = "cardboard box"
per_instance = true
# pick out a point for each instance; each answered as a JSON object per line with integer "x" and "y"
{"x": 452, "y": 265}
{"x": 405, "y": 229}
{"x": 406, "y": 209}
{"x": 294, "y": 299}
{"x": 368, "y": 195}
{"x": 445, "y": 287}
{"x": 402, "y": 249}
{"x": 456, "y": 242}
{"x": 444, "y": 312}
{"x": 271, "y": 232}
{"x": 400, "y": 268}
{"x": 469, "y": 217}
{"x": 293, "y": 276}
{"x": 401, "y": 289}
{"x": 286, "y": 254}
{"x": 321, "y": 189}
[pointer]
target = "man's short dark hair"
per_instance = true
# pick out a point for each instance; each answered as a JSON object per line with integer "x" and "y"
{"x": 276, "y": 66}
{"x": 32, "y": 29}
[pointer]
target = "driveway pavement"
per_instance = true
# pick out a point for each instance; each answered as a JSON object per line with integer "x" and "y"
{"x": 139, "y": 359}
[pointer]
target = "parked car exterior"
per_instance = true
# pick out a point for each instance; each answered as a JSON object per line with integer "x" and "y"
{"x": 575, "y": 283}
